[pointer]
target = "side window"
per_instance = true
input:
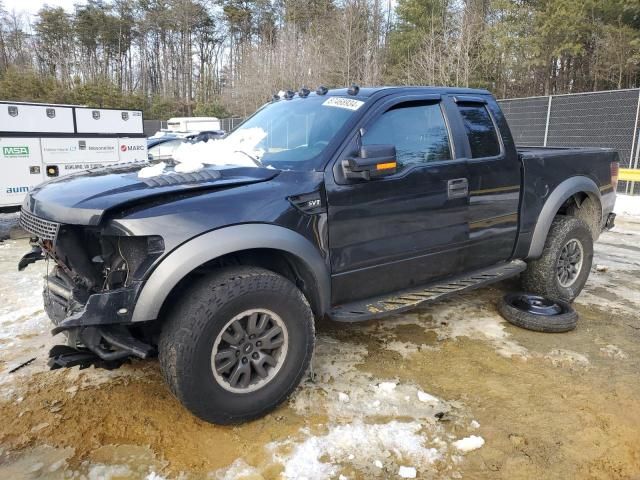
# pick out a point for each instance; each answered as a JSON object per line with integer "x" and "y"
{"x": 417, "y": 130}
{"x": 483, "y": 138}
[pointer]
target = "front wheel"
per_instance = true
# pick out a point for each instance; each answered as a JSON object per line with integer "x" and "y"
{"x": 563, "y": 268}
{"x": 237, "y": 344}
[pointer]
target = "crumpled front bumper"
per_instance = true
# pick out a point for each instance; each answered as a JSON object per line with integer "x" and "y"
{"x": 97, "y": 332}
{"x": 105, "y": 308}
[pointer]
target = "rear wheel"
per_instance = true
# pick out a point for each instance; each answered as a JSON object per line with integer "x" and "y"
{"x": 237, "y": 344}
{"x": 563, "y": 268}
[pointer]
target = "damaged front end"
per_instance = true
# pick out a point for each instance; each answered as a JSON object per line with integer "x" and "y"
{"x": 90, "y": 290}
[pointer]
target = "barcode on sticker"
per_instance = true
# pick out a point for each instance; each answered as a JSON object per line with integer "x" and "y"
{"x": 340, "y": 102}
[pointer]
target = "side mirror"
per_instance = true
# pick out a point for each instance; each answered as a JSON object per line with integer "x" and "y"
{"x": 373, "y": 161}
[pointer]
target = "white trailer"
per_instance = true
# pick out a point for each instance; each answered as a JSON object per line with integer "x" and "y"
{"x": 193, "y": 124}
{"x": 41, "y": 141}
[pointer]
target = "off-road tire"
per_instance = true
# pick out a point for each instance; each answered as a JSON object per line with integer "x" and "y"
{"x": 560, "y": 323}
{"x": 541, "y": 274}
{"x": 195, "y": 321}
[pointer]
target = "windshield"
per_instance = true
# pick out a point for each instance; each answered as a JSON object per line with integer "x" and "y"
{"x": 292, "y": 133}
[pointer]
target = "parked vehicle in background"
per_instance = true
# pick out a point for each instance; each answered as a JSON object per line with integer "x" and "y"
{"x": 162, "y": 148}
{"x": 207, "y": 135}
{"x": 43, "y": 141}
{"x": 351, "y": 204}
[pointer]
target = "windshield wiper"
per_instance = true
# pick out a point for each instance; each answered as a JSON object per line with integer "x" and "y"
{"x": 253, "y": 159}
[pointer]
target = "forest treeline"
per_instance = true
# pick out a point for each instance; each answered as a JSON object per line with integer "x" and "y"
{"x": 222, "y": 57}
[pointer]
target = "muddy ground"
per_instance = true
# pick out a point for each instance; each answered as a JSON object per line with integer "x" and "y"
{"x": 450, "y": 390}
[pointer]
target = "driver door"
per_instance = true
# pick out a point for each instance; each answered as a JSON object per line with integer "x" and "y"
{"x": 404, "y": 229}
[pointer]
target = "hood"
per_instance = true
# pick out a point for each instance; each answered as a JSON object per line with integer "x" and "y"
{"x": 83, "y": 198}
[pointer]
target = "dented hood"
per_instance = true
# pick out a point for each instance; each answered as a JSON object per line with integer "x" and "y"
{"x": 83, "y": 198}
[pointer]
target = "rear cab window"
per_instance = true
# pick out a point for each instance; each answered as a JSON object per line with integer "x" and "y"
{"x": 480, "y": 129}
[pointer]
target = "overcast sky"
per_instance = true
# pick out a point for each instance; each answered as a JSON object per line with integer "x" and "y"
{"x": 32, "y": 6}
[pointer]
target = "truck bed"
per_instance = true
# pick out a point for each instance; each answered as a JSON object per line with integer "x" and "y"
{"x": 544, "y": 168}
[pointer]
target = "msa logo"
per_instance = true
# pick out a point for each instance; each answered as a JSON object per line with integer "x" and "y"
{"x": 13, "y": 152}
{"x": 17, "y": 189}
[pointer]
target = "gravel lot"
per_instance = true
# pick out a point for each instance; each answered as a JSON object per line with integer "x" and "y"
{"x": 447, "y": 391}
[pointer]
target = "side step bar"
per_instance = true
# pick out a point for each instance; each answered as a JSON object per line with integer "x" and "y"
{"x": 404, "y": 300}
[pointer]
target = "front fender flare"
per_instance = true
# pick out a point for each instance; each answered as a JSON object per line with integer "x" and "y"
{"x": 560, "y": 194}
{"x": 216, "y": 243}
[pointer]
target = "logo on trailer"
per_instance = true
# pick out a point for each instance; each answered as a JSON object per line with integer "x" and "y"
{"x": 51, "y": 112}
{"x": 125, "y": 116}
{"x": 13, "y": 152}
{"x": 17, "y": 189}
{"x": 95, "y": 114}
{"x": 130, "y": 148}
{"x": 13, "y": 110}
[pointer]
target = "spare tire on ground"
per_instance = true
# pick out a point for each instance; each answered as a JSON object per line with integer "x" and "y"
{"x": 538, "y": 313}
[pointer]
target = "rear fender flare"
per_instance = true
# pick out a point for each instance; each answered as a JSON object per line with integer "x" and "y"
{"x": 214, "y": 244}
{"x": 560, "y": 194}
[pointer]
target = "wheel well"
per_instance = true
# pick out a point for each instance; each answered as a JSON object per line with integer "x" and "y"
{"x": 277, "y": 261}
{"x": 587, "y": 208}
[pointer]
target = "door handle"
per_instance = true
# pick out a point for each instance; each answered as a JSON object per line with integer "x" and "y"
{"x": 457, "y": 188}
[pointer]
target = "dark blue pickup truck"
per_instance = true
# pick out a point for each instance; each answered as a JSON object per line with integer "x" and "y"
{"x": 346, "y": 204}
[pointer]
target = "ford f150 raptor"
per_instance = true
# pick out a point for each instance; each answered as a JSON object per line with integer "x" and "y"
{"x": 347, "y": 204}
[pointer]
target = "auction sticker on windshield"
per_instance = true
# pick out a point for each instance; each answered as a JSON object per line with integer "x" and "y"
{"x": 340, "y": 102}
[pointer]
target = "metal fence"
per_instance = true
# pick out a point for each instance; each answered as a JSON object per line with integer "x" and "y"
{"x": 594, "y": 119}
{"x": 230, "y": 124}
{"x": 152, "y": 126}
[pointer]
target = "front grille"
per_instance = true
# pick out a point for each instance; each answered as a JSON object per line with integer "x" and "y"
{"x": 43, "y": 229}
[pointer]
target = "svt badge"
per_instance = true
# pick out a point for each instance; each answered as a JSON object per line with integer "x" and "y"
{"x": 51, "y": 112}
{"x": 13, "y": 110}
{"x": 125, "y": 116}
{"x": 96, "y": 115}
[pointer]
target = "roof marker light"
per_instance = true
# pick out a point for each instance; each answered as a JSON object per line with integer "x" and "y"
{"x": 353, "y": 89}
{"x": 304, "y": 92}
{"x": 322, "y": 90}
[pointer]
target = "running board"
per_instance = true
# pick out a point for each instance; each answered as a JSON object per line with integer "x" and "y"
{"x": 404, "y": 300}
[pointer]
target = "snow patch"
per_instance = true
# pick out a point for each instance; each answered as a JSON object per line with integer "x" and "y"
{"x": 470, "y": 443}
{"x": 407, "y": 472}
{"x": 425, "y": 397}
{"x": 318, "y": 457}
{"x": 627, "y": 205}
{"x": 338, "y": 378}
{"x": 238, "y": 470}
{"x": 343, "y": 397}
{"x": 234, "y": 150}
{"x": 560, "y": 356}
{"x": 614, "y": 351}
{"x": 152, "y": 171}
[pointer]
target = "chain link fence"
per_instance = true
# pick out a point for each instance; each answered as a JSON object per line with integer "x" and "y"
{"x": 595, "y": 119}
{"x": 230, "y": 124}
